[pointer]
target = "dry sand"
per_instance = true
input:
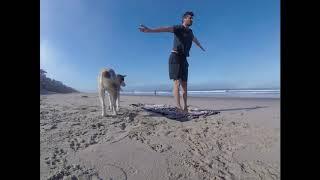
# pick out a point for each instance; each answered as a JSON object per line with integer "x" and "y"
{"x": 241, "y": 142}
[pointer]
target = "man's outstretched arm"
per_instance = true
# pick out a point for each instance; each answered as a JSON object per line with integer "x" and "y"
{"x": 195, "y": 40}
{"x": 144, "y": 28}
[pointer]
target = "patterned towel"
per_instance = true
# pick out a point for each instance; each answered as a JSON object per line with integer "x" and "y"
{"x": 173, "y": 113}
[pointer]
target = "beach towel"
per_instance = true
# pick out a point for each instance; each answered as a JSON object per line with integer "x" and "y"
{"x": 173, "y": 113}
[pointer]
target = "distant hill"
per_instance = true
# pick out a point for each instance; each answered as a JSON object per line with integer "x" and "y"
{"x": 48, "y": 85}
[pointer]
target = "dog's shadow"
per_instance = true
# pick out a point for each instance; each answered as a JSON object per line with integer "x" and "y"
{"x": 122, "y": 115}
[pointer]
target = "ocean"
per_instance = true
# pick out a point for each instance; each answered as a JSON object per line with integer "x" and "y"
{"x": 246, "y": 93}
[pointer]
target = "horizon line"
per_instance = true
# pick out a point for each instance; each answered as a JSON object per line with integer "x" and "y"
{"x": 196, "y": 89}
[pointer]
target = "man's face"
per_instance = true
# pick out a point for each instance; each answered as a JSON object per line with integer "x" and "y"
{"x": 188, "y": 20}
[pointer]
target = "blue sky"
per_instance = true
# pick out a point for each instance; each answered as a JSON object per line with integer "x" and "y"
{"x": 241, "y": 38}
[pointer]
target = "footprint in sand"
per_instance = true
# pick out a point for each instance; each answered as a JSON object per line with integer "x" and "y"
{"x": 160, "y": 148}
{"x": 57, "y": 158}
{"x": 74, "y": 172}
{"x": 123, "y": 126}
{"x": 113, "y": 172}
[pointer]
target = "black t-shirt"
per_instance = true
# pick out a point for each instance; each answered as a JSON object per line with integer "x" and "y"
{"x": 182, "y": 41}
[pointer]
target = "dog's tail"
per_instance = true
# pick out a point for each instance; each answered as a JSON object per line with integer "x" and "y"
{"x": 105, "y": 73}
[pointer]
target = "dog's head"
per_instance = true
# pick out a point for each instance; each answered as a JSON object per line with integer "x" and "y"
{"x": 120, "y": 78}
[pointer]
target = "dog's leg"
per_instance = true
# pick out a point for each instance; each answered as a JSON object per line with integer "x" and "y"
{"x": 110, "y": 105}
{"x": 101, "y": 97}
{"x": 118, "y": 100}
{"x": 113, "y": 99}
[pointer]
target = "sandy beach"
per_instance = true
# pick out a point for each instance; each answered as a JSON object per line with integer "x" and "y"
{"x": 240, "y": 142}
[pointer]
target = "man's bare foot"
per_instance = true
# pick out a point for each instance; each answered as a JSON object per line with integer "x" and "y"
{"x": 179, "y": 109}
{"x": 185, "y": 109}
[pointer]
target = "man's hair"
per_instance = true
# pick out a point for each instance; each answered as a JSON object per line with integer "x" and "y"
{"x": 187, "y": 13}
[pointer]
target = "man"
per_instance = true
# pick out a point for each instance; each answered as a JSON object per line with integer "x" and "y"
{"x": 178, "y": 65}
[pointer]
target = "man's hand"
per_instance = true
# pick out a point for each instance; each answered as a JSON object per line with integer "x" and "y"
{"x": 195, "y": 40}
{"x": 144, "y": 28}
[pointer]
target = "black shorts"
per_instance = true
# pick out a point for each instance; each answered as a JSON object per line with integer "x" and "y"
{"x": 178, "y": 67}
